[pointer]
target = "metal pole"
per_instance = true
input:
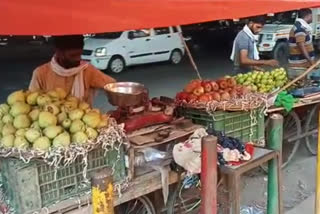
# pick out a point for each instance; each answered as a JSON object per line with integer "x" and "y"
{"x": 102, "y": 192}
{"x": 317, "y": 202}
{"x": 209, "y": 175}
{"x": 275, "y": 138}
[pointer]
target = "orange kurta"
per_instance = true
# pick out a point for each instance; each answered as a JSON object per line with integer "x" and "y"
{"x": 44, "y": 78}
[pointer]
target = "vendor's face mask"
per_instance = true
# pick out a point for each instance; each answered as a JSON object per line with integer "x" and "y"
{"x": 69, "y": 58}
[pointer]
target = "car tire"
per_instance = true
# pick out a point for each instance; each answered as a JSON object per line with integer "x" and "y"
{"x": 281, "y": 53}
{"x": 176, "y": 56}
{"x": 116, "y": 64}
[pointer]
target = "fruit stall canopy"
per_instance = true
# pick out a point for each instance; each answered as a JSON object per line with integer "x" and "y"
{"x": 57, "y": 17}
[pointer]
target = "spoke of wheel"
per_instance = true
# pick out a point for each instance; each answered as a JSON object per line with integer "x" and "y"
{"x": 312, "y": 124}
{"x": 134, "y": 206}
{"x": 141, "y": 207}
{"x": 289, "y": 149}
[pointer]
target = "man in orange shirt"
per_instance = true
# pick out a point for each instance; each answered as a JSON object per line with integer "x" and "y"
{"x": 67, "y": 71}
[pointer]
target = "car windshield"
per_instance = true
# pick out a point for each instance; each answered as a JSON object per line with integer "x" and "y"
{"x": 113, "y": 35}
{"x": 285, "y": 18}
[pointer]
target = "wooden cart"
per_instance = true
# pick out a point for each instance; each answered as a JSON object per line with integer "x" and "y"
{"x": 300, "y": 126}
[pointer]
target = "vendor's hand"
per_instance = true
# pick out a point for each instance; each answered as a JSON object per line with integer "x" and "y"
{"x": 257, "y": 68}
{"x": 272, "y": 63}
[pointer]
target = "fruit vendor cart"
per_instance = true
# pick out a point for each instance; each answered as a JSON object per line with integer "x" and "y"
{"x": 57, "y": 19}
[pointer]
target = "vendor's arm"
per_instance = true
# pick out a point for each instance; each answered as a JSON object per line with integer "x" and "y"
{"x": 245, "y": 61}
{"x": 99, "y": 79}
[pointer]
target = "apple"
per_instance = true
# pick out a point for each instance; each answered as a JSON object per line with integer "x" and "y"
{"x": 215, "y": 86}
{"x": 198, "y": 91}
{"x": 231, "y": 82}
{"x": 192, "y": 85}
{"x": 182, "y": 96}
{"x": 225, "y": 96}
{"x": 191, "y": 98}
{"x": 222, "y": 83}
{"x": 215, "y": 96}
{"x": 204, "y": 98}
{"x": 207, "y": 86}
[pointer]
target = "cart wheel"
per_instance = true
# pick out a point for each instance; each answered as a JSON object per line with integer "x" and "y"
{"x": 141, "y": 205}
{"x": 291, "y": 128}
{"x": 185, "y": 197}
{"x": 312, "y": 124}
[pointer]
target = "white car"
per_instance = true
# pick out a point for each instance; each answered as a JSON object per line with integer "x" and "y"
{"x": 116, "y": 51}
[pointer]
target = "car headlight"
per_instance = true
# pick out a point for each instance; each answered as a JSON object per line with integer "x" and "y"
{"x": 100, "y": 52}
{"x": 269, "y": 37}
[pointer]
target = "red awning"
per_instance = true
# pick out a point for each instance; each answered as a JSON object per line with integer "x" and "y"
{"x": 56, "y": 17}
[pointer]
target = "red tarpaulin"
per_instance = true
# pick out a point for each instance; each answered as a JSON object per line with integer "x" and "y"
{"x": 52, "y": 17}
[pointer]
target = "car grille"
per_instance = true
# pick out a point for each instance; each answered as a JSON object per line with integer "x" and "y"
{"x": 87, "y": 52}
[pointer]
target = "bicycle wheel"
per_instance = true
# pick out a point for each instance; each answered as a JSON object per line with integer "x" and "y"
{"x": 185, "y": 196}
{"x": 141, "y": 205}
{"x": 312, "y": 124}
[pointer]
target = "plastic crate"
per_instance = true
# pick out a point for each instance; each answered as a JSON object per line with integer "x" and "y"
{"x": 30, "y": 187}
{"x": 246, "y": 126}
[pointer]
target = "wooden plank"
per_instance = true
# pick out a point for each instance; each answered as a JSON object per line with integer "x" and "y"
{"x": 142, "y": 139}
{"x": 301, "y": 103}
{"x": 174, "y": 136}
{"x": 149, "y": 130}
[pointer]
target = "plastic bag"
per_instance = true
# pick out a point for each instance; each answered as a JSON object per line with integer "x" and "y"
{"x": 250, "y": 210}
{"x": 151, "y": 154}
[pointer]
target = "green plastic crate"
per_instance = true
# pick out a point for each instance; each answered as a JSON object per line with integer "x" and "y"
{"x": 30, "y": 187}
{"x": 246, "y": 126}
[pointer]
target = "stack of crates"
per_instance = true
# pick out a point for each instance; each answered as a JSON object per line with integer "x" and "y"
{"x": 32, "y": 186}
{"x": 247, "y": 126}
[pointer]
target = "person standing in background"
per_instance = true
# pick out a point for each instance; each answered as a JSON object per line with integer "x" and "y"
{"x": 301, "y": 51}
